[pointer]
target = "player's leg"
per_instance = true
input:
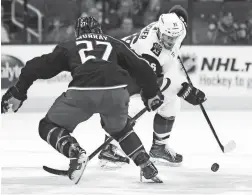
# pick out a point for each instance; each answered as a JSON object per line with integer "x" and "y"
{"x": 163, "y": 124}
{"x": 56, "y": 128}
{"x": 111, "y": 156}
{"x": 116, "y": 123}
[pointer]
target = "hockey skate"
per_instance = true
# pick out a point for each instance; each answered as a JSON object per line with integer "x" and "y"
{"x": 77, "y": 165}
{"x": 147, "y": 168}
{"x": 110, "y": 158}
{"x": 149, "y": 172}
{"x": 162, "y": 154}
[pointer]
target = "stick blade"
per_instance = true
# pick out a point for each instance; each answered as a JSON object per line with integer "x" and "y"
{"x": 230, "y": 146}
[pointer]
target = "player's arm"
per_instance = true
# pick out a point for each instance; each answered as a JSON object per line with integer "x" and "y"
{"x": 154, "y": 64}
{"x": 43, "y": 67}
{"x": 144, "y": 75}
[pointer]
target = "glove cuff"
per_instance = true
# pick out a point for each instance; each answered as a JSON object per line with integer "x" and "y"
{"x": 183, "y": 91}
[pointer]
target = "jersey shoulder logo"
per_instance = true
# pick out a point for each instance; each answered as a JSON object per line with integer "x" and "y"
{"x": 156, "y": 48}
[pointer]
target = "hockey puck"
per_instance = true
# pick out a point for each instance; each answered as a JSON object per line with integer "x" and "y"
{"x": 215, "y": 167}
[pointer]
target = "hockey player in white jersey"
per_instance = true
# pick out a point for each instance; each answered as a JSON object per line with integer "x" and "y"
{"x": 160, "y": 43}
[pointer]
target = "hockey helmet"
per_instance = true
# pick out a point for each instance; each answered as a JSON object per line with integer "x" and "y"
{"x": 180, "y": 12}
{"x": 87, "y": 25}
{"x": 170, "y": 27}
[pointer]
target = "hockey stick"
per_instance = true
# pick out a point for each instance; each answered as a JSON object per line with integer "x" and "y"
{"x": 65, "y": 172}
{"x": 231, "y": 144}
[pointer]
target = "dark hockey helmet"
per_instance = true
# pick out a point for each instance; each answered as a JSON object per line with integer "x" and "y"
{"x": 180, "y": 12}
{"x": 87, "y": 25}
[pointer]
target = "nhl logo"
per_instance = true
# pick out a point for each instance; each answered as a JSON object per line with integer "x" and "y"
{"x": 156, "y": 49}
{"x": 190, "y": 62}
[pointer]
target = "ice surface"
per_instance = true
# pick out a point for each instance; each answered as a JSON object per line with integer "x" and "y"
{"x": 24, "y": 154}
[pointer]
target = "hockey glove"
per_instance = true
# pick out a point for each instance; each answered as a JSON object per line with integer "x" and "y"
{"x": 12, "y": 98}
{"x": 153, "y": 103}
{"x": 191, "y": 94}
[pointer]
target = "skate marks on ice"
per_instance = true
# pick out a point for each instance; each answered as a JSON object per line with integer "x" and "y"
{"x": 126, "y": 181}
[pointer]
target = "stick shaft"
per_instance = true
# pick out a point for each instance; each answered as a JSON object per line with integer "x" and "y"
{"x": 203, "y": 109}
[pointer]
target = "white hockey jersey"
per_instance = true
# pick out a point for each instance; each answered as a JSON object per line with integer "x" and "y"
{"x": 146, "y": 44}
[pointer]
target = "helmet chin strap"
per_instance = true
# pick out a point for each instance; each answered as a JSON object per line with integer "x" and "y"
{"x": 158, "y": 34}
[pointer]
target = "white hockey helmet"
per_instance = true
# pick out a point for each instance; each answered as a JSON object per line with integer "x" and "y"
{"x": 170, "y": 28}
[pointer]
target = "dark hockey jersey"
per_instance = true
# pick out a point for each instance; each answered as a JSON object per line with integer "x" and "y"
{"x": 96, "y": 61}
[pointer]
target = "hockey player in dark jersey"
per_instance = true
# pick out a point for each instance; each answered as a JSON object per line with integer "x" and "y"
{"x": 99, "y": 65}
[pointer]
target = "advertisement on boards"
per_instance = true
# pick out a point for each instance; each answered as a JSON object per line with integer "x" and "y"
{"x": 14, "y": 58}
{"x": 10, "y": 70}
{"x": 220, "y": 70}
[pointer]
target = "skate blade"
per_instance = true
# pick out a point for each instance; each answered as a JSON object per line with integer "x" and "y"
{"x": 84, "y": 164}
{"x": 155, "y": 179}
{"x": 158, "y": 161}
{"x": 108, "y": 165}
